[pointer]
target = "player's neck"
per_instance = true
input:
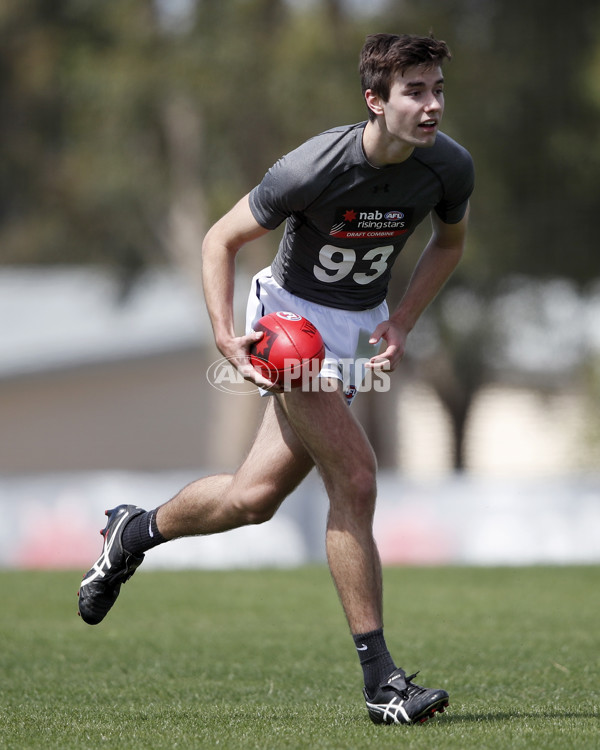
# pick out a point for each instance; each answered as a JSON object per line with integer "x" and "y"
{"x": 381, "y": 150}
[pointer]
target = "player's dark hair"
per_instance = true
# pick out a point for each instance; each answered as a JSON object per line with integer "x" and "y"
{"x": 384, "y": 56}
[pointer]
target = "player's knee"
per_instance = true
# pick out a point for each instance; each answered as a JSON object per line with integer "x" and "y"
{"x": 258, "y": 515}
{"x": 364, "y": 494}
{"x": 361, "y": 490}
{"x": 363, "y": 474}
{"x": 258, "y": 505}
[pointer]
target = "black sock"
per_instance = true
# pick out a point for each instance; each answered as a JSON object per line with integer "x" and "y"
{"x": 141, "y": 533}
{"x": 375, "y": 659}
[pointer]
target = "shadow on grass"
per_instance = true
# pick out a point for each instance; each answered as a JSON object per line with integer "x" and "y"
{"x": 503, "y": 716}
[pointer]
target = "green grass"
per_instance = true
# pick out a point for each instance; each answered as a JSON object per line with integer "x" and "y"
{"x": 263, "y": 659}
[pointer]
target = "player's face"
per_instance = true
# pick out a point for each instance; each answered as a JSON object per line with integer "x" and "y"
{"x": 415, "y": 106}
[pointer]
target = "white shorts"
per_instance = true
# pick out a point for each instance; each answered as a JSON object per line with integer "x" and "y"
{"x": 345, "y": 333}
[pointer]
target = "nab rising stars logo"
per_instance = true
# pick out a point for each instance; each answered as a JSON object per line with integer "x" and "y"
{"x": 368, "y": 223}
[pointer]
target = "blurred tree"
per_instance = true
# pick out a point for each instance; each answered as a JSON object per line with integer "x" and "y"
{"x": 127, "y": 126}
{"x": 522, "y": 95}
{"x": 125, "y": 130}
{"x": 77, "y": 86}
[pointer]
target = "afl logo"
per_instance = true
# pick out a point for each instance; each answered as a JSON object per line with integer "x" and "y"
{"x": 394, "y": 215}
{"x": 288, "y": 315}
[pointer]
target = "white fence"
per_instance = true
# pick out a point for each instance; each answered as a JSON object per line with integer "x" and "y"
{"x": 52, "y": 521}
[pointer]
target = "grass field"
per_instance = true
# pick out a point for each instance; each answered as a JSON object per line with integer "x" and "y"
{"x": 262, "y": 659}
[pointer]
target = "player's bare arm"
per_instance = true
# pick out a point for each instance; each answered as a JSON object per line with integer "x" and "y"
{"x": 435, "y": 266}
{"x": 219, "y": 250}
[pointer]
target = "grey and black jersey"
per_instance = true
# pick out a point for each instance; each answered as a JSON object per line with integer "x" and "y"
{"x": 346, "y": 220}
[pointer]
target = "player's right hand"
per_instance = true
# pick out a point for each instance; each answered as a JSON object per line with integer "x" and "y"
{"x": 237, "y": 351}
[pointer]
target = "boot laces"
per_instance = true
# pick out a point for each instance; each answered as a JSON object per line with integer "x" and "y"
{"x": 411, "y": 688}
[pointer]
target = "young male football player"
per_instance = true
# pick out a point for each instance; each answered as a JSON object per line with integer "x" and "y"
{"x": 350, "y": 198}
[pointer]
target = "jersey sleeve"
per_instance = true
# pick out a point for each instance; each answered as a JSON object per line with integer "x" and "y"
{"x": 284, "y": 189}
{"x": 295, "y": 181}
{"x": 459, "y": 182}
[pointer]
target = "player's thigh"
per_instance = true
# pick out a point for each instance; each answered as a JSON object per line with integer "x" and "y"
{"x": 276, "y": 463}
{"x": 333, "y": 437}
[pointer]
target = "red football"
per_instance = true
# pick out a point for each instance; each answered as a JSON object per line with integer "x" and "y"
{"x": 290, "y": 351}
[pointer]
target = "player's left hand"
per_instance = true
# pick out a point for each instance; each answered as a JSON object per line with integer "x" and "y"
{"x": 395, "y": 338}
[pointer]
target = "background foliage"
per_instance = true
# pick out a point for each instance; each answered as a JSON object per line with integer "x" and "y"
{"x": 128, "y": 126}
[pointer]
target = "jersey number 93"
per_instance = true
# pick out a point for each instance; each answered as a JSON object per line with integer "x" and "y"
{"x": 337, "y": 263}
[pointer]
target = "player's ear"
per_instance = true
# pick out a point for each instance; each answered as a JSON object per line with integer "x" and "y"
{"x": 374, "y": 102}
